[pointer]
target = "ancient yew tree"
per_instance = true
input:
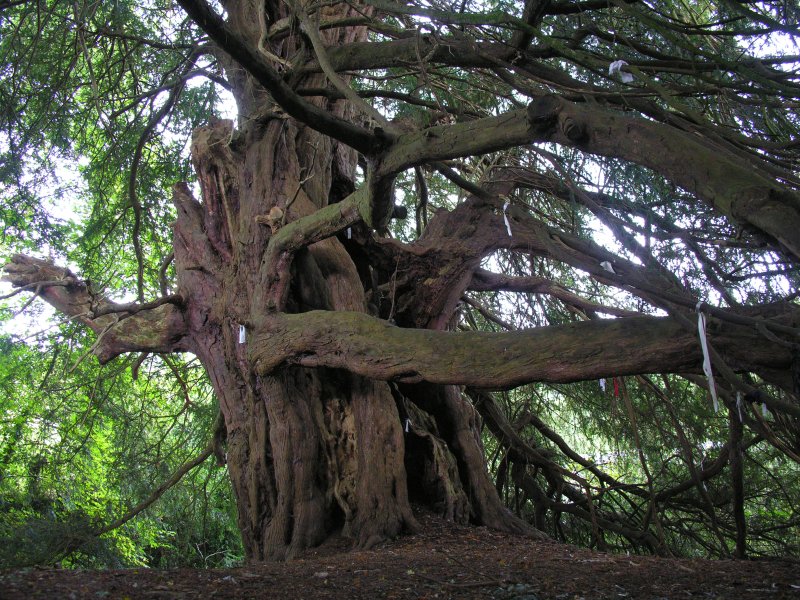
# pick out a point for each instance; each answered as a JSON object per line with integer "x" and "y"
{"x": 418, "y": 205}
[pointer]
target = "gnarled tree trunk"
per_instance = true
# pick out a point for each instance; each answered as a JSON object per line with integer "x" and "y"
{"x": 310, "y": 450}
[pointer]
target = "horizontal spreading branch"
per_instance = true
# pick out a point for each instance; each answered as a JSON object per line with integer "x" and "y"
{"x": 153, "y": 327}
{"x": 729, "y": 183}
{"x": 559, "y": 354}
{"x": 484, "y": 281}
{"x": 738, "y": 189}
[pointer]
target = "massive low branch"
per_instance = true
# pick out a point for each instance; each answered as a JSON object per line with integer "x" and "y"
{"x": 578, "y": 351}
{"x": 155, "y": 327}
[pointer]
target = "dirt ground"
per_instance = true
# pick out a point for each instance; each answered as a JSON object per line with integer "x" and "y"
{"x": 444, "y": 561}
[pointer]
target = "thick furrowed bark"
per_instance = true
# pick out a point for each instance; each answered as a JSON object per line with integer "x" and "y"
{"x": 311, "y": 451}
{"x": 299, "y": 520}
{"x": 381, "y": 493}
{"x": 433, "y": 477}
{"x": 463, "y": 423}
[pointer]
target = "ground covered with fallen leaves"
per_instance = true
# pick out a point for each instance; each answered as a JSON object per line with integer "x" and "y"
{"x": 443, "y": 561}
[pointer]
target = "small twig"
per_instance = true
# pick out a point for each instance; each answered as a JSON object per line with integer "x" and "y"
{"x": 264, "y": 38}
{"x": 472, "y": 188}
{"x": 162, "y": 273}
{"x": 93, "y": 347}
{"x": 28, "y": 302}
{"x": 49, "y": 327}
{"x": 134, "y": 307}
{"x": 37, "y": 285}
{"x": 138, "y": 363}
{"x": 393, "y": 279}
{"x": 422, "y": 207}
{"x": 302, "y": 182}
{"x": 466, "y": 566}
{"x": 159, "y": 491}
{"x": 138, "y": 154}
{"x": 487, "y": 314}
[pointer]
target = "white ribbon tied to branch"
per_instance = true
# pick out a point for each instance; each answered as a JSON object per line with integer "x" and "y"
{"x": 701, "y": 328}
{"x": 505, "y": 217}
{"x": 616, "y": 67}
